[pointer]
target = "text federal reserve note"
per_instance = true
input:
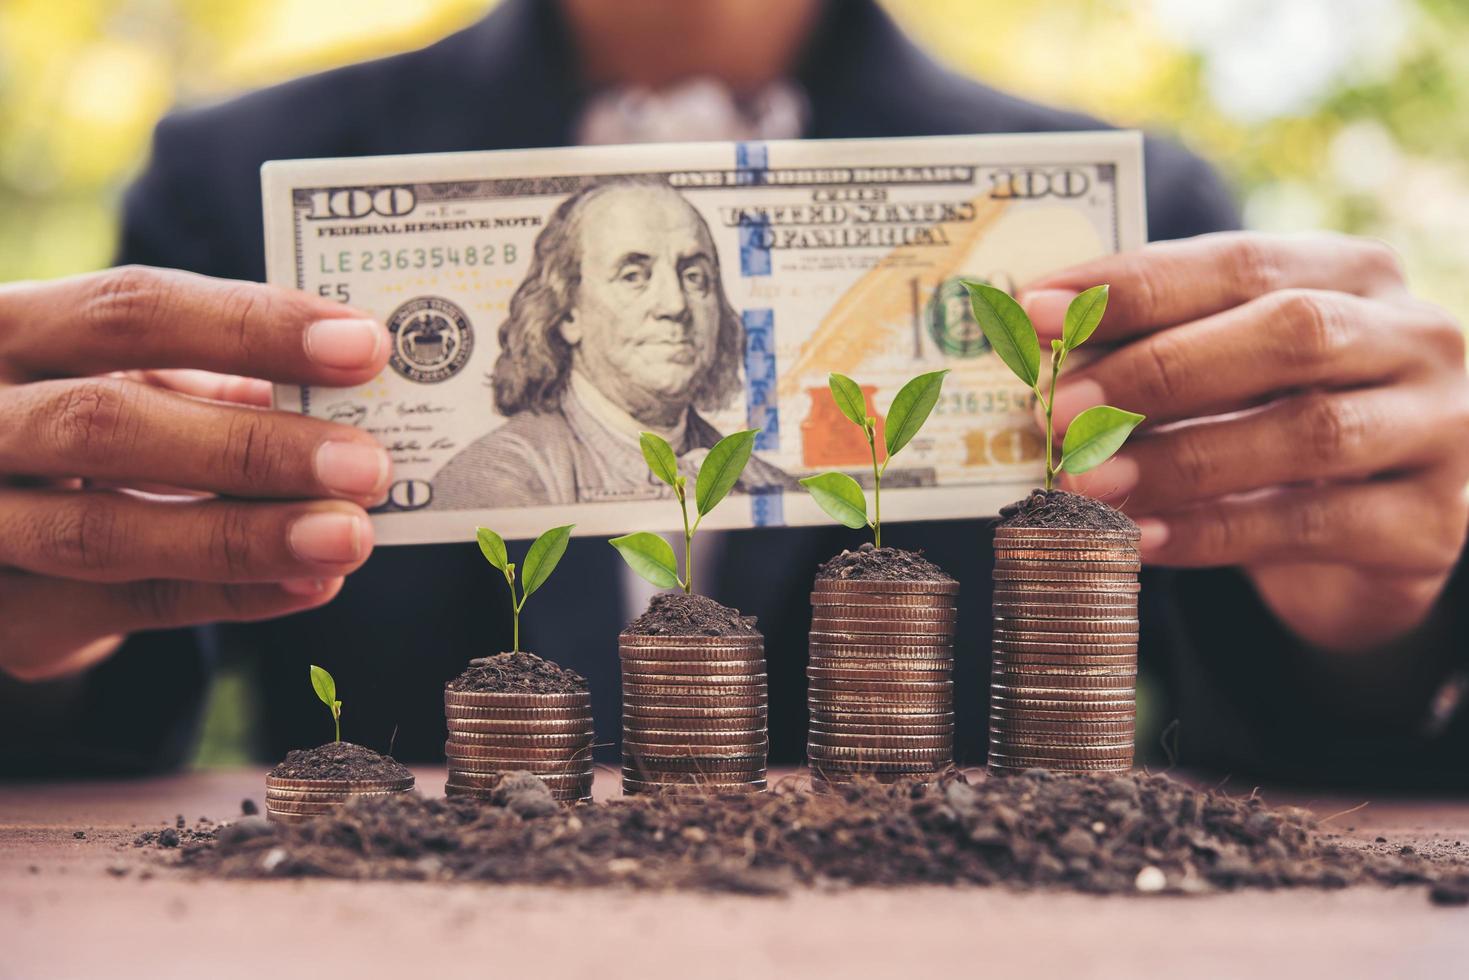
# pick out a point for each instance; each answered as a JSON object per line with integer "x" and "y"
{"x": 545, "y": 306}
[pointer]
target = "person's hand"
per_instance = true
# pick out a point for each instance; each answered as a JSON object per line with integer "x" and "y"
{"x": 140, "y": 378}
{"x": 1307, "y": 421}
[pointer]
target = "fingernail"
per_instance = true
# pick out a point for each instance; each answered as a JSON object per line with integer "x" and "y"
{"x": 352, "y": 468}
{"x": 304, "y": 586}
{"x": 1155, "y": 534}
{"x": 341, "y": 343}
{"x": 1047, "y": 309}
{"x": 1115, "y": 478}
{"x": 329, "y": 538}
{"x": 1075, "y": 397}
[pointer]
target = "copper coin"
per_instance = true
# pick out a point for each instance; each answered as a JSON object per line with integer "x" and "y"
{"x": 1011, "y": 725}
{"x": 1129, "y": 566}
{"x": 285, "y": 818}
{"x": 1064, "y": 716}
{"x": 926, "y": 701}
{"x": 912, "y": 665}
{"x": 881, "y": 714}
{"x": 1041, "y": 744}
{"x": 322, "y": 796}
{"x": 1005, "y": 683}
{"x": 880, "y": 651}
{"x": 828, "y": 729}
{"x": 1063, "y": 701}
{"x": 999, "y": 770}
{"x": 659, "y": 750}
{"x": 657, "y": 713}
{"x": 633, "y": 689}
{"x": 706, "y": 760}
{"x": 883, "y": 641}
{"x": 1017, "y": 673}
{"x": 1093, "y": 764}
{"x": 632, "y": 786}
{"x": 1045, "y": 636}
{"x": 921, "y": 605}
{"x": 1055, "y": 659}
{"x": 885, "y": 588}
{"x": 1069, "y": 556}
{"x": 861, "y": 677}
{"x": 898, "y": 632}
{"x": 1026, "y": 578}
{"x": 693, "y": 777}
{"x": 694, "y": 668}
{"x": 926, "y": 687}
{"x": 888, "y": 613}
{"x": 747, "y": 641}
{"x": 562, "y": 715}
{"x": 459, "y": 751}
{"x": 880, "y": 743}
{"x": 515, "y": 699}
{"x": 470, "y": 730}
{"x": 1064, "y": 599}
{"x": 671, "y": 656}
{"x": 916, "y": 753}
{"x": 491, "y": 780}
{"x": 1069, "y": 590}
{"x": 1065, "y": 649}
{"x": 637, "y": 703}
{"x": 696, "y": 736}
{"x": 302, "y": 809}
{"x": 1057, "y": 536}
{"x": 695, "y": 680}
{"x": 339, "y": 785}
{"x": 834, "y": 770}
{"x": 1035, "y": 624}
{"x": 567, "y": 740}
{"x": 545, "y": 769}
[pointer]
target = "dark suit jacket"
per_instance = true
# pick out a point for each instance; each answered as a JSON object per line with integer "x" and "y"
{"x": 1239, "y": 685}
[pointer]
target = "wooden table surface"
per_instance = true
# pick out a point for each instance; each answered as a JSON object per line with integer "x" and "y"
{"x": 63, "y": 915}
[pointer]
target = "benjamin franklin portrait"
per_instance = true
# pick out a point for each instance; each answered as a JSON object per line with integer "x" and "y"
{"x": 621, "y": 326}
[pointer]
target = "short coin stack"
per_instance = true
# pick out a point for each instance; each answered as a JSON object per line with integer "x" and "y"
{"x": 694, "y": 713}
{"x": 1063, "y": 686}
{"x": 298, "y": 800}
{"x": 881, "y": 686}
{"x": 494, "y": 732}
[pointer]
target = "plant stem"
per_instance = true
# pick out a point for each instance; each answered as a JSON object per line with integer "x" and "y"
{"x": 1057, "y": 358}
{"x": 688, "y": 545}
{"x": 337, "y": 717}
{"x": 876, "y": 490}
{"x": 514, "y": 610}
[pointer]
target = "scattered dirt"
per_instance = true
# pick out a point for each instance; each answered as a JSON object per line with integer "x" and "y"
{"x": 678, "y": 614}
{"x": 339, "y": 760}
{"x": 1124, "y": 834}
{"x": 521, "y": 673}
{"x": 248, "y": 807}
{"x": 882, "y": 564}
{"x": 1061, "y": 508}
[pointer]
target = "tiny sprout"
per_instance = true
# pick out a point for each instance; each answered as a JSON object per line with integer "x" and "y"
{"x": 540, "y": 561}
{"x": 1095, "y": 434}
{"x": 648, "y": 554}
{"x": 326, "y": 689}
{"x": 840, "y": 495}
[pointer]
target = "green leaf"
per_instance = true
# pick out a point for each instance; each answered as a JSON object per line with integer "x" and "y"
{"x": 492, "y": 546}
{"x": 911, "y": 409}
{"x": 722, "y": 469}
{"x": 1007, "y": 328}
{"x": 848, "y": 396}
{"x": 650, "y": 556}
{"x": 325, "y": 687}
{"x": 840, "y": 496}
{"x": 540, "y": 561}
{"x": 1095, "y": 435}
{"x": 659, "y": 455}
{"x": 1083, "y": 315}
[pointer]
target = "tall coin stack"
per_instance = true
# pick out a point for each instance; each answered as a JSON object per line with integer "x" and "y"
{"x": 495, "y": 732}
{"x": 881, "y": 685}
{"x": 694, "y": 713}
{"x": 1063, "y": 686}
{"x": 299, "y": 800}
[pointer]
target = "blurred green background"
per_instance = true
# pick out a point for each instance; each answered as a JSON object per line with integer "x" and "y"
{"x": 1337, "y": 114}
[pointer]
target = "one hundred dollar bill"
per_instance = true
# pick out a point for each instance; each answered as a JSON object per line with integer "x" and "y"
{"x": 545, "y": 306}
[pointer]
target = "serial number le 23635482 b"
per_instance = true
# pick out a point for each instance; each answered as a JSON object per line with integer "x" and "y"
{"x": 408, "y": 258}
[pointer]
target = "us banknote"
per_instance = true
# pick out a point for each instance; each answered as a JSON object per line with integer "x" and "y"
{"x": 545, "y": 306}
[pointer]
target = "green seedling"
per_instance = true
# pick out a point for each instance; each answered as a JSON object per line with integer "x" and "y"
{"x": 326, "y": 689}
{"x": 540, "y": 561}
{"x": 840, "y": 495}
{"x": 1095, "y": 434}
{"x": 648, "y": 554}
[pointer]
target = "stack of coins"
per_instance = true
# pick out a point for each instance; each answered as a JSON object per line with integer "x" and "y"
{"x": 881, "y": 689}
{"x": 694, "y": 714}
{"x": 492, "y": 733}
{"x": 298, "y": 800}
{"x": 1063, "y": 686}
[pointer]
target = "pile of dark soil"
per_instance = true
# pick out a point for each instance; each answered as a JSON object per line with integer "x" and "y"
{"x": 1061, "y": 508}
{"x": 1116, "y": 834}
{"x": 679, "y": 614}
{"x": 519, "y": 673}
{"x": 882, "y": 564}
{"x": 339, "y": 760}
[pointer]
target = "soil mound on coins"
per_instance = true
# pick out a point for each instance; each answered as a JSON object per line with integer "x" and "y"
{"x": 882, "y": 564}
{"x": 339, "y": 760}
{"x": 520, "y": 673}
{"x": 678, "y": 614}
{"x": 1061, "y": 508}
{"x": 1121, "y": 834}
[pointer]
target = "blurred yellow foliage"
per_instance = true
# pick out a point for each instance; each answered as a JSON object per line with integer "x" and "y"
{"x": 1344, "y": 114}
